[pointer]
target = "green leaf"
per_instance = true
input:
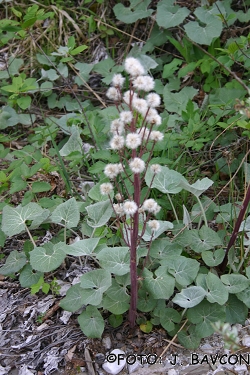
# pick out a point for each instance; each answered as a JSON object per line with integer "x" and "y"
{"x": 203, "y": 315}
{"x": 244, "y": 296}
{"x": 190, "y": 342}
{"x": 136, "y": 11}
{"x": 67, "y": 213}
{"x": 117, "y": 292}
{"x": 146, "y": 326}
{"x": 170, "y": 68}
{"x": 236, "y": 311}
{"x": 91, "y": 322}
{"x": 167, "y": 181}
{"x": 198, "y": 187}
{"x": 163, "y": 248}
{"x": 14, "y": 263}
{"x": 213, "y": 259}
{"x": 164, "y": 226}
{"x": 235, "y": 283}
{"x": 47, "y": 257}
{"x": 169, "y": 15}
{"x": 28, "y": 276}
{"x": 115, "y": 307}
{"x": 161, "y": 286}
{"x": 189, "y": 297}
{"x": 168, "y": 318}
{"x": 14, "y": 219}
{"x": 115, "y": 260}
{"x": 40, "y": 186}
{"x": 200, "y": 240}
{"x": 74, "y": 299}
{"x": 24, "y": 102}
{"x": 217, "y": 292}
{"x": 99, "y": 213}
{"x": 177, "y": 102}
{"x": 78, "y": 50}
{"x": 211, "y": 30}
{"x": 96, "y": 283}
{"x": 183, "y": 269}
{"x": 115, "y": 320}
{"x": 82, "y": 247}
{"x": 146, "y": 302}
{"x": 74, "y": 143}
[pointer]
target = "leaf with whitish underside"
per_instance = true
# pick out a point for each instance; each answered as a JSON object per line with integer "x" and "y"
{"x": 160, "y": 286}
{"x": 47, "y": 257}
{"x": 217, "y": 292}
{"x": 14, "y": 219}
{"x": 189, "y": 297}
{"x": 73, "y": 300}
{"x": 99, "y": 213}
{"x": 91, "y": 322}
{"x": 66, "y": 213}
{"x": 152, "y": 235}
{"x": 198, "y": 187}
{"x": 115, "y": 260}
{"x": 211, "y": 30}
{"x": 167, "y": 181}
{"x": 14, "y": 263}
{"x": 169, "y": 15}
{"x": 82, "y": 247}
{"x": 74, "y": 143}
{"x": 97, "y": 280}
{"x": 183, "y": 269}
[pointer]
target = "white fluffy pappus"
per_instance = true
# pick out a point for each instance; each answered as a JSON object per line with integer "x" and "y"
{"x": 133, "y": 140}
{"x": 106, "y": 188}
{"x": 137, "y": 165}
{"x": 133, "y": 67}
{"x": 117, "y": 142}
{"x": 130, "y": 208}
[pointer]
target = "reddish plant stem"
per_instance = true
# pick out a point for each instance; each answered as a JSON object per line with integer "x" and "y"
{"x": 236, "y": 228}
{"x": 133, "y": 249}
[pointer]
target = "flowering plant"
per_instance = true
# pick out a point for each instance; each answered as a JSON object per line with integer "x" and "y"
{"x": 134, "y": 136}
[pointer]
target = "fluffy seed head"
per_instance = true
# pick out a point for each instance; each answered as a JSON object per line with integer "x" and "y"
{"x": 143, "y": 133}
{"x": 130, "y": 208}
{"x": 126, "y": 117}
{"x": 133, "y": 140}
{"x": 112, "y": 170}
{"x": 156, "y": 136}
{"x": 117, "y": 126}
{"x": 118, "y": 197}
{"x": 149, "y": 84}
{"x": 140, "y": 105}
{"x": 133, "y": 67}
{"x": 113, "y": 93}
{"x": 150, "y": 205}
{"x": 155, "y": 168}
{"x": 154, "y": 225}
{"x": 153, "y": 99}
{"x": 129, "y": 95}
{"x": 118, "y": 208}
{"x": 137, "y": 165}
{"x": 117, "y": 142}
{"x": 118, "y": 80}
{"x": 106, "y": 188}
{"x": 140, "y": 83}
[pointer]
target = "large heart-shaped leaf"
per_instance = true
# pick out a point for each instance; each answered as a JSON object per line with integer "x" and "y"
{"x": 136, "y": 11}
{"x": 82, "y": 247}
{"x": 167, "y": 181}
{"x": 14, "y": 219}
{"x": 183, "y": 269}
{"x": 99, "y": 213}
{"x": 47, "y": 257}
{"x": 217, "y": 292}
{"x": 235, "y": 283}
{"x": 66, "y": 213}
{"x": 74, "y": 299}
{"x": 169, "y": 15}
{"x": 91, "y": 322}
{"x": 115, "y": 307}
{"x": 115, "y": 260}
{"x": 211, "y": 30}
{"x": 95, "y": 282}
{"x": 14, "y": 263}
{"x": 28, "y": 277}
{"x": 168, "y": 318}
{"x": 198, "y": 187}
{"x": 190, "y": 297}
{"x": 159, "y": 286}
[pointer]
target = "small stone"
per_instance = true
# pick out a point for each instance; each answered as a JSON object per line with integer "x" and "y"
{"x": 207, "y": 348}
{"x": 241, "y": 369}
{"x": 246, "y": 340}
{"x": 116, "y": 361}
{"x": 118, "y": 336}
{"x": 133, "y": 367}
{"x": 100, "y": 358}
{"x": 106, "y": 342}
{"x": 172, "y": 372}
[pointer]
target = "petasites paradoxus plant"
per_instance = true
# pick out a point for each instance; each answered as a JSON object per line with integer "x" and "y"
{"x": 139, "y": 269}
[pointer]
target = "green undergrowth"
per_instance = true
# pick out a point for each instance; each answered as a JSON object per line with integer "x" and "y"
{"x": 55, "y": 127}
